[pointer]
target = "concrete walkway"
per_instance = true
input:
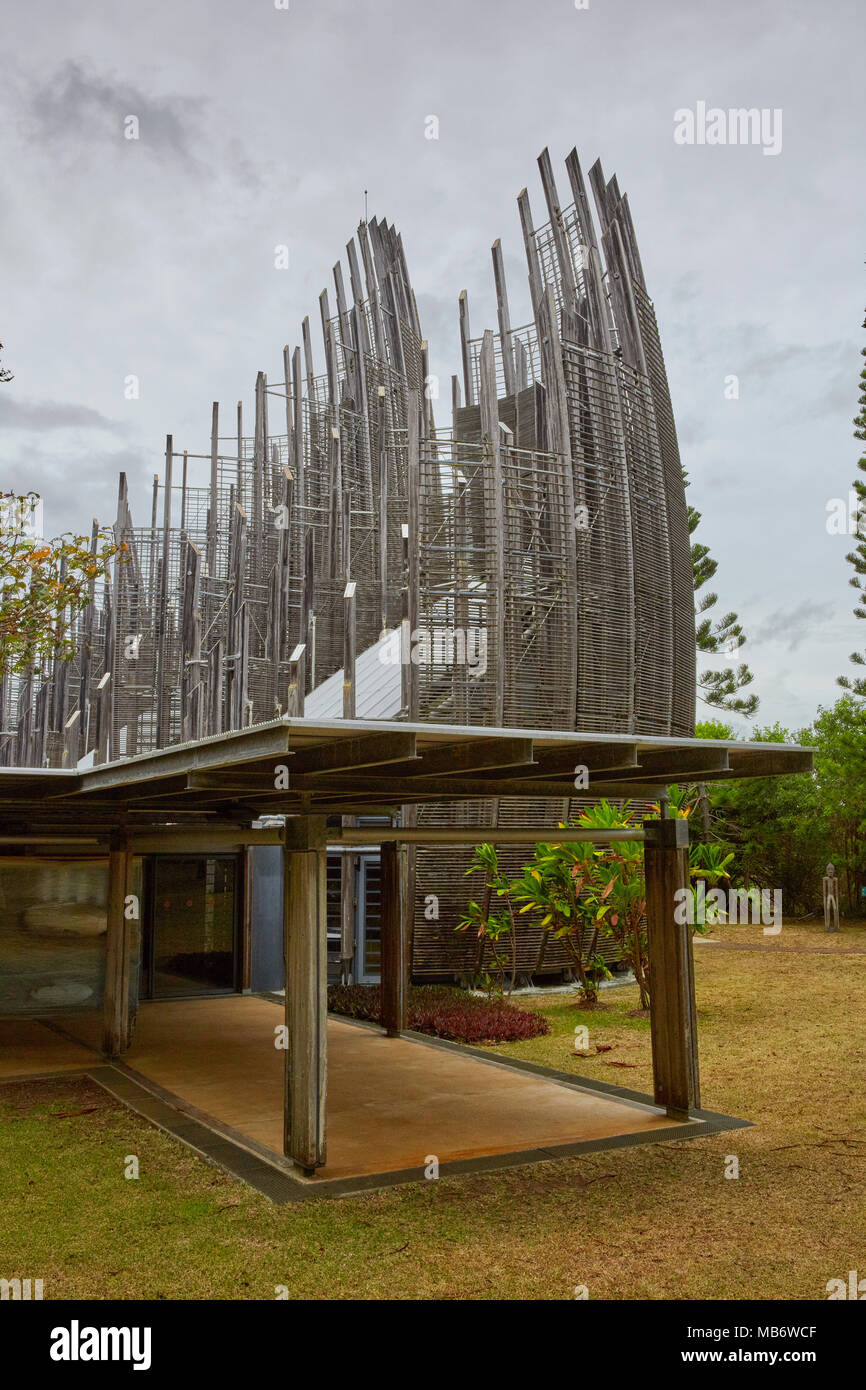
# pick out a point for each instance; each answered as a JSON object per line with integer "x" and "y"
{"x": 392, "y": 1102}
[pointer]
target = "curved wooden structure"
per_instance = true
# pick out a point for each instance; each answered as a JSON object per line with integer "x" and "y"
{"x": 548, "y": 526}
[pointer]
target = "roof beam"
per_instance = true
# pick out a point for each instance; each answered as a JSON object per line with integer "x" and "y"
{"x": 453, "y": 759}
{"x": 345, "y": 754}
{"x": 227, "y": 750}
{"x": 251, "y": 781}
{"x": 172, "y": 839}
{"x": 113, "y": 796}
{"x": 670, "y": 766}
{"x": 771, "y": 764}
{"x": 595, "y": 757}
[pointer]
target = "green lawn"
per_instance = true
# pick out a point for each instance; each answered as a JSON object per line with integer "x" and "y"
{"x": 782, "y": 1036}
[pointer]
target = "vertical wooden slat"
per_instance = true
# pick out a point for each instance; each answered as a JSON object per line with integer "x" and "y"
{"x": 372, "y": 292}
{"x": 334, "y": 498}
{"x": 163, "y": 691}
{"x": 559, "y": 441}
{"x": 551, "y": 197}
{"x": 593, "y": 273}
{"x": 413, "y": 484}
{"x": 671, "y": 969}
{"x": 536, "y": 288}
{"x": 330, "y": 349}
{"x": 214, "y": 481}
{"x": 504, "y": 319}
{"x": 239, "y": 495}
{"x": 287, "y": 387}
{"x": 308, "y": 360}
{"x": 154, "y": 512}
{"x": 80, "y": 738}
{"x": 495, "y": 519}
{"x": 468, "y": 383}
{"x": 191, "y": 641}
{"x": 304, "y": 665}
{"x": 256, "y": 510}
{"x": 298, "y": 412}
{"x": 383, "y": 462}
{"x": 112, "y": 659}
{"x": 362, "y": 339}
{"x": 216, "y": 713}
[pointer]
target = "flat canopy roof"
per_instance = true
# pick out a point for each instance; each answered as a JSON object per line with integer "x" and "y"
{"x": 295, "y": 766}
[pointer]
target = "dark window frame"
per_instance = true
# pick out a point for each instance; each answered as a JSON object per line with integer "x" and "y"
{"x": 148, "y": 918}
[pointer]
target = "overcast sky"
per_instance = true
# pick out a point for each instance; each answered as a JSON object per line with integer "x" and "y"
{"x": 262, "y": 126}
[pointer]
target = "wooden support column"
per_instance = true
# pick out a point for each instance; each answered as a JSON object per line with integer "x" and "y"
{"x": 119, "y": 939}
{"x": 392, "y": 942}
{"x": 306, "y": 950}
{"x": 671, "y": 969}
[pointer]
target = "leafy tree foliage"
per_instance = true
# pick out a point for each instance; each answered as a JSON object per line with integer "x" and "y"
{"x": 714, "y": 728}
{"x": 719, "y": 687}
{"x": 43, "y": 584}
{"x": 839, "y": 737}
{"x": 784, "y": 830}
{"x": 857, "y": 557}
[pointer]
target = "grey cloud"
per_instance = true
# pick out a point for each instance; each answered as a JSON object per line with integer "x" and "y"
{"x": 76, "y": 102}
{"x": 817, "y": 356}
{"x": 692, "y": 430}
{"x": 795, "y": 625}
{"x": 76, "y": 485}
{"x": 38, "y": 417}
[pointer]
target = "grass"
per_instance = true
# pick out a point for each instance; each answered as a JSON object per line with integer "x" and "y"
{"x": 782, "y": 1037}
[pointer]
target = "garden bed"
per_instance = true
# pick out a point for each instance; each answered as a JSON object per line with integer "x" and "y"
{"x": 444, "y": 1012}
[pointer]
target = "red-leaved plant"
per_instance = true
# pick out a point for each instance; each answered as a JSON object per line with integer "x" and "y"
{"x": 444, "y": 1012}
